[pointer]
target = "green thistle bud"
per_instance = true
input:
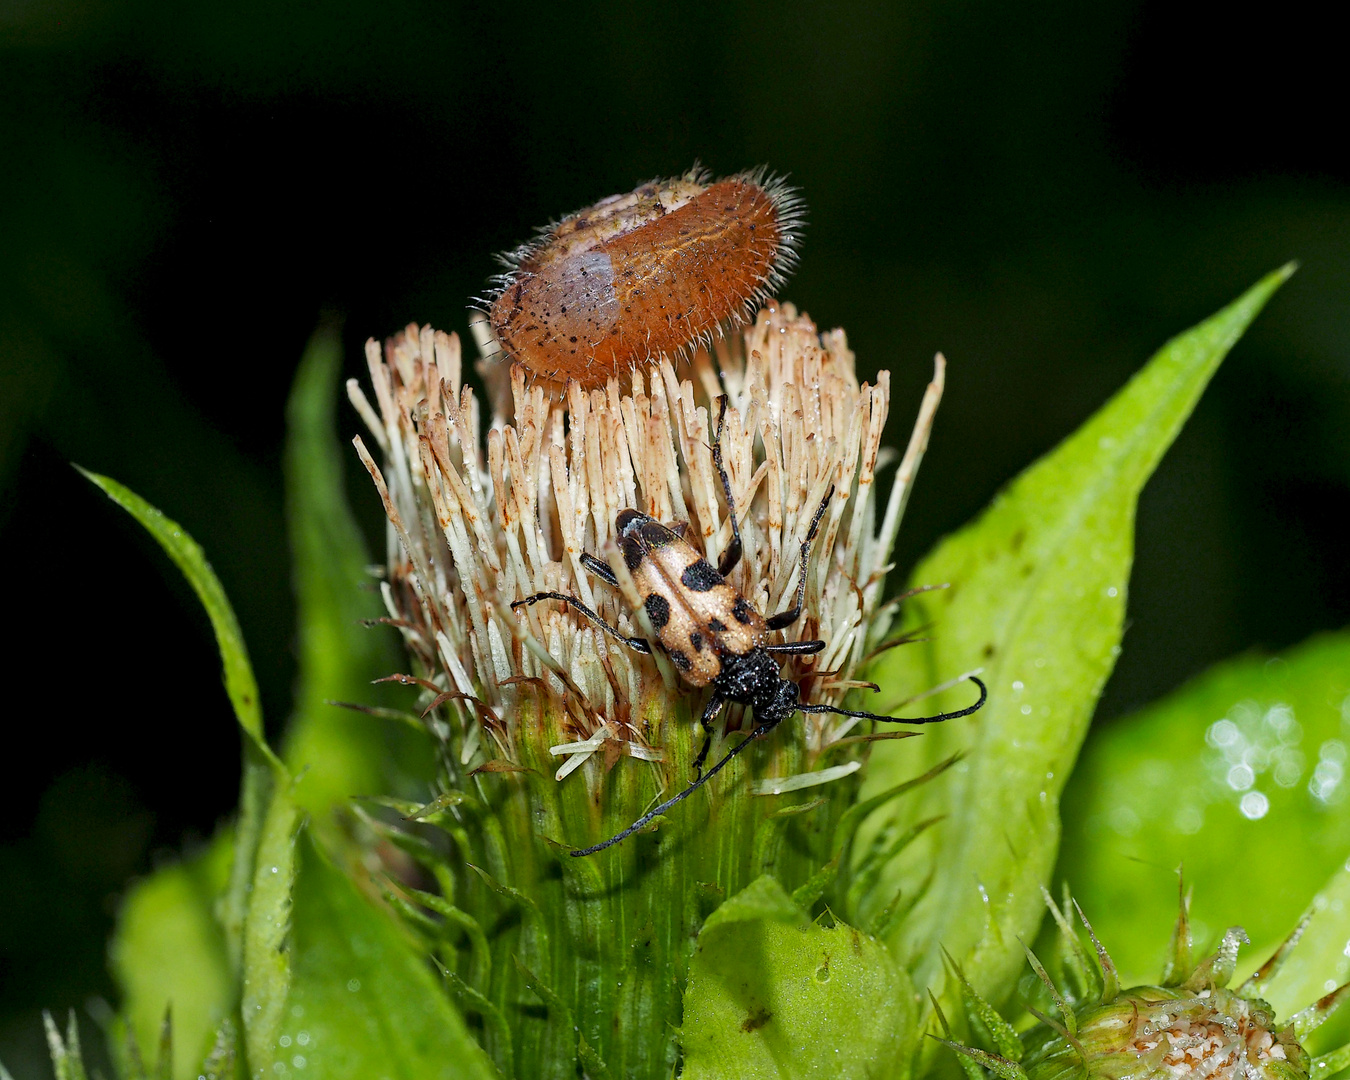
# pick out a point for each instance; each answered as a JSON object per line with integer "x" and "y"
{"x": 1188, "y": 1027}
{"x": 554, "y": 736}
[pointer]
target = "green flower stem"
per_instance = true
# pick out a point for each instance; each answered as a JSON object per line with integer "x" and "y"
{"x": 608, "y": 938}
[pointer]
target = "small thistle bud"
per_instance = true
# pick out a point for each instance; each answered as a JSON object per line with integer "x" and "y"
{"x": 561, "y": 711}
{"x": 1188, "y": 1027}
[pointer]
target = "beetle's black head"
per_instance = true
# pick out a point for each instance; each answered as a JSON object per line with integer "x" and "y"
{"x": 782, "y": 702}
{"x": 755, "y": 679}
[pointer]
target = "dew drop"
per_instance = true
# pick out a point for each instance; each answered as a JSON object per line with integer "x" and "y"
{"x": 1241, "y": 776}
{"x": 1254, "y": 806}
{"x": 1124, "y": 821}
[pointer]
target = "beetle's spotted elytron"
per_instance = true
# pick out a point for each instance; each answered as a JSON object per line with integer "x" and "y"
{"x": 646, "y": 274}
{"x": 711, "y": 633}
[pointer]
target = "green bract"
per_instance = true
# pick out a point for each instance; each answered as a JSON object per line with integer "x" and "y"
{"x": 818, "y": 907}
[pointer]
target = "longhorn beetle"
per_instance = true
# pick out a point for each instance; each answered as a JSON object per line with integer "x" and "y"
{"x": 711, "y": 634}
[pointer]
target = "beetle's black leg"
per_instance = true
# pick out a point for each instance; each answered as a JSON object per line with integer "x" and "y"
{"x": 636, "y": 643}
{"x": 796, "y": 648}
{"x": 732, "y": 555}
{"x": 599, "y": 569}
{"x": 758, "y": 732}
{"x": 792, "y": 614}
{"x": 984, "y": 694}
{"x": 710, "y": 712}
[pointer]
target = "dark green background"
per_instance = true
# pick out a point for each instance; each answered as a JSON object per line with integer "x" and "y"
{"x": 1044, "y": 191}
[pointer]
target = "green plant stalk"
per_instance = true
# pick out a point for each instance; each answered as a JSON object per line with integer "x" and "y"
{"x": 598, "y": 948}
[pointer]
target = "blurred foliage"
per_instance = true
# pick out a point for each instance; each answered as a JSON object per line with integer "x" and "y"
{"x": 1045, "y": 193}
{"x": 170, "y": 954}
{"x": 1241, "y": 778}
{"x": 336, "y": 752}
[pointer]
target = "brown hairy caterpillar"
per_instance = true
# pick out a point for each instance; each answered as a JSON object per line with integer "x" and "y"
{"x": 651, "y": 273}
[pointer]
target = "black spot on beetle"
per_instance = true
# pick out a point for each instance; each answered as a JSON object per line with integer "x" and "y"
{"x": 696, "y": 640}
{"x": 658, "y": 610}
{"x": 741, "y": 610}
{"x": 716, "y": 625}
{"x": 680, "y": 660}
{"x": 700, "y": 576}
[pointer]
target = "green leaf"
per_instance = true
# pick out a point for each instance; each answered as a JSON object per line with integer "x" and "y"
{"x": 763, "y": 899}
{"x": 169, "y": 951}
{"x": 335, "y": 753}
{"x": 1037, "y": 601}
{"x": 1240, "y": 777}
{"x": 261, "y": 767}
{"x": 188, "y": 556}
{"x": 362, "y": 1002}
{"x": 267, "y": 959}
{"x": 772, "y": 995}
{"x": 1321, "y": 961}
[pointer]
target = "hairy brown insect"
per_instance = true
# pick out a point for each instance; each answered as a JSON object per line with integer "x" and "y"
{"x": 643, "y": 275}
{"x": 712, "y": 635}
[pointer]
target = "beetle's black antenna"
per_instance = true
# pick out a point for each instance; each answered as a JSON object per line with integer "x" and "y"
{"x": 763, "y": 729}
{"x": 792, "y": 614}
{"x": 732, "y": 555}
{"x": 984, "y": 694}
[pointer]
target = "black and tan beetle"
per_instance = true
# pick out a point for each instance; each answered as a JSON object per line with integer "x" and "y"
{"x": 711, "y": 633}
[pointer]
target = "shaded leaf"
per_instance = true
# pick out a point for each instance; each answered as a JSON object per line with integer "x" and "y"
{"x": 261, "y": 766}
{"x": 362, "y": 1002}
{"x": 188, "y": 556}
{"x": 762, "y": 899}
{"x": 1248, "y": 758}
{"x": 335, "y": 753}
{"x": 1037, "y": 601}
{"x": 771, "y": 994}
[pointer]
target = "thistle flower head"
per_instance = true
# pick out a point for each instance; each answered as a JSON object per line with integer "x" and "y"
{"x": 488, "y": 506}
{"x": 1190, "y": 1026}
